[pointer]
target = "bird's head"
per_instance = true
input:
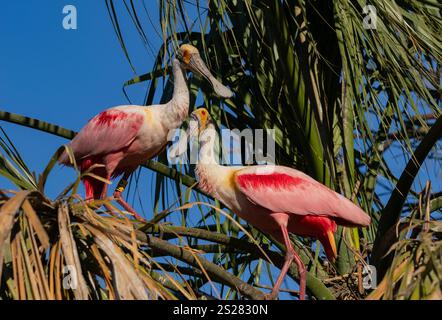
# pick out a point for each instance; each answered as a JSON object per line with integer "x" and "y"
{"x": 185, "y": 54}
{"x": 203, "y": 119}
{"x": 204, "y": 129}
{"x": 203, "y": 126}
{"x": 190, "y": 59}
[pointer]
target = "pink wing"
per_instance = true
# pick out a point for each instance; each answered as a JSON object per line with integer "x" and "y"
{"x": 291, "y": 191}
{"x": 107, "y": 132}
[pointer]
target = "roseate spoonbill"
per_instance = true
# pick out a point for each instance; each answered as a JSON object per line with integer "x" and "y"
{"x": 123, "y": 137}
{"x": 275, "y": 199}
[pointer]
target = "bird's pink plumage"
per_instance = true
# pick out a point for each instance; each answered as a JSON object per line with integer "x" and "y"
{"x": 101, "y": 141}
{"x": 290, "y": 191}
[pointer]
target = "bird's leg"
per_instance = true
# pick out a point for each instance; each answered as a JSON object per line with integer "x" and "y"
{"x": 103, "y": 195}
{"x": 117, "y": 195}
{"x": 302, "y": 275}
{"x": 289, "y": 257}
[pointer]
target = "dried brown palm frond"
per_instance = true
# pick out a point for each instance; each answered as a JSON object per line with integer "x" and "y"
{"x": 57, "y": 250}
{"x": 66, "y": 249}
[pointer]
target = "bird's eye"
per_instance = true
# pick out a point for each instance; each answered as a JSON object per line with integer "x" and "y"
{"x": 185, "y": 56}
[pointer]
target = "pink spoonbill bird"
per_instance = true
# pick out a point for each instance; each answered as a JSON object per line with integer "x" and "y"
{"x": 275, "y": 199}
{"x": 123, "y": 137}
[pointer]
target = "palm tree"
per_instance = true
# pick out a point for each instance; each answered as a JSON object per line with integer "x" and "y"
{"x": 346, "y": 87}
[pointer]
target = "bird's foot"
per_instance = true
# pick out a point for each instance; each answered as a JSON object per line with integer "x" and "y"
{"x": 127, "y": 207}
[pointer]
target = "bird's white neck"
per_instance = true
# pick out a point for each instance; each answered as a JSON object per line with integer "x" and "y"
{"x": 178, "y": 107}
{"x": 209, "y": 146}
{"x": 208, "y": 168}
